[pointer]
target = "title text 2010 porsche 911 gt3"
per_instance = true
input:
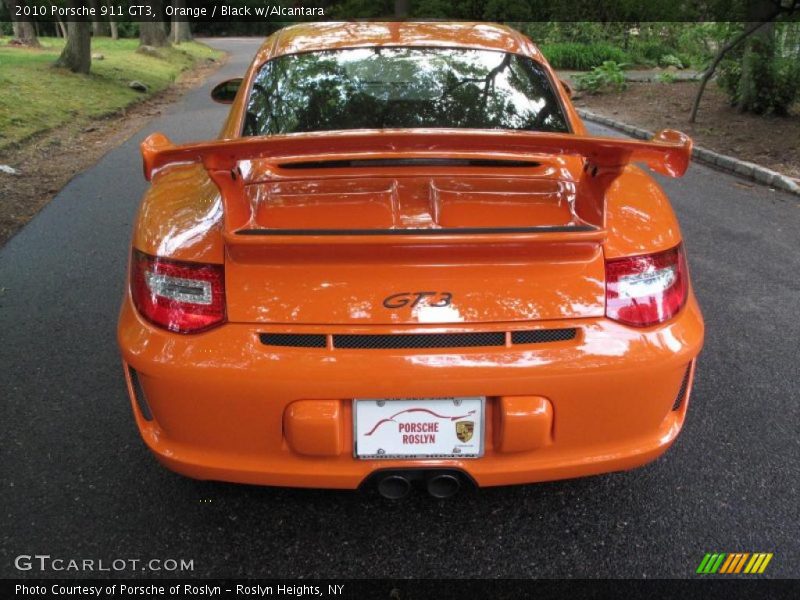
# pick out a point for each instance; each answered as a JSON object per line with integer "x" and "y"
{"x": 404, "y": 260}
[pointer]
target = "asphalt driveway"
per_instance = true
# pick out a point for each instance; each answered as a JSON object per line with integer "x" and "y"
{"x": 77, "y": 482}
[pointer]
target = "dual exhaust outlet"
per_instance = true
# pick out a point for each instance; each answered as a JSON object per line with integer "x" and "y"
{"x": 439, "y": 483}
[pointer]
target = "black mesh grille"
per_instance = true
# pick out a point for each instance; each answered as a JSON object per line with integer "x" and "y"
{"x": 294, "y": 340}
{"x": 682, "y": 391}
{"x": 542, "y": 336}
{"x": 420, "y": 340}
{"x": 416, "y": 340}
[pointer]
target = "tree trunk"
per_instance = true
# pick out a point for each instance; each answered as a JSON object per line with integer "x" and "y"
{"x": 77, "y": 53}
{"x": 100, "y": 27}
{"x": 181, "y": 30}
{"x": 114, "y": 29}
{"x": 401, "y": 8}
{"x": 58, "y": 26}
{"x": 152, "y": 33}
{"x": 758, "y": 57}
{"x": 756, "y": 74}
{"x": 62, "y": 28}
{"x": 24, "y": 31}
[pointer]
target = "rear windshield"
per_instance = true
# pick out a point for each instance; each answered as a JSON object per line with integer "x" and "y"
{"x": 366, "y": 88}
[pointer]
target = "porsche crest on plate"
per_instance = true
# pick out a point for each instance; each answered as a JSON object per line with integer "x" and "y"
{"x": 464, "y": 430}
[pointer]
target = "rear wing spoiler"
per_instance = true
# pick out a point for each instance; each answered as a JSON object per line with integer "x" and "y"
{"x": 668, "y": 153}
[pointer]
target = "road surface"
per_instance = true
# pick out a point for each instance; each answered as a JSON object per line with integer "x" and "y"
{"x": 77, "y": 482}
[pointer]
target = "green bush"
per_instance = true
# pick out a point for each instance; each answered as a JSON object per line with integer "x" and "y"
{"x": 608, "y": 76}
{"x": 777, "y": 83}
{"x": 650, "y": 50}
{"x": 670, "y": 60}
{"x": 128, "y": 29}
{"x": 787, "y": 86}
{"x": 689, "y": 60}
{"x": 696, "y": 43}
{"x": 729, "y": 73}
{"x": 582, "y": 57}
{"x": 665, "y": 77}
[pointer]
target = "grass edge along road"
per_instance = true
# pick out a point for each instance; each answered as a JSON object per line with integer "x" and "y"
{"x": 37, "y": 97}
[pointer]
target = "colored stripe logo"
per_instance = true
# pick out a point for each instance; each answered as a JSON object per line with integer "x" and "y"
{"x": 734, "y": 563}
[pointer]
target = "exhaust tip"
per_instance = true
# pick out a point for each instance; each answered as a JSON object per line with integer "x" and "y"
{"x": 443, "y": 486}
{"x": 394, "y": 484}
{"x": 394, "y": 487}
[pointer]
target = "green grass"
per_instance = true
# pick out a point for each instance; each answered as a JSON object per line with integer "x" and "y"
{"x": 36, "y": 97}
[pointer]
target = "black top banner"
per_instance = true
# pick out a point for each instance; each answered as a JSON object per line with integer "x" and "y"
{"x": 290, "y": 11}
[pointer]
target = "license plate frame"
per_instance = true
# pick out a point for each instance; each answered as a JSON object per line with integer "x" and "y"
{"x": 468, "y": 449}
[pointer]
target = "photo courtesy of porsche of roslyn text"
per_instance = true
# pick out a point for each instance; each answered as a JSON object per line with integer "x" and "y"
{"x": 398, "y": 299}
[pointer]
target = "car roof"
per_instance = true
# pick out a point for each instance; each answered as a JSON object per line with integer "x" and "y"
{"x": 307, "y": 37}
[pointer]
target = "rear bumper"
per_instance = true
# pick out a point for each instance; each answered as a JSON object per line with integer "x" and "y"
{"x": 219, "y": 399}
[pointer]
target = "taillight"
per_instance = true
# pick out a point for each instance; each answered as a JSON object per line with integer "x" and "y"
{"x": 180, "y": 296}
{"x": 646, "y": 290}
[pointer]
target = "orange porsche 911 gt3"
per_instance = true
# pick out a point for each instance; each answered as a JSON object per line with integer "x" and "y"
{"x": 405, "y": 263}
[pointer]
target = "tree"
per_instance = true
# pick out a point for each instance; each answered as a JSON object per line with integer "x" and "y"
{"x": 61, "y": 29}
{"x": 23, "y": 27}
{"x": 181, "y": 30}
{"x": 114, "y": 26}
{"x": 757, "y": 87}
{"x": 152, "y": 33}
{"x": 503, "y": 10}
{"x": 401, "y": 9}
{"x": 100, "y": 26}
{"x": 715, "y": 63}
{"x": 77, "y": 53}
{"x": 759, "y": 52}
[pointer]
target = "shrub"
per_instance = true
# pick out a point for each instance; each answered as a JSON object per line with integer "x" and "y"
{"x": 665, "y": 77}
{"x": 582, "y": 57}
{"x": 689, "y": 60}
{"x": 654, "y": 53}
{"x": 644, "y": 62}
{"x": 608, "y": 76}
{"x": 128, "y": 29}
{"x": 728, "y": 75}
{"x": 670, "y": 60}
{"x": 787, "y": 86}
{"x": 777, "y": 83}
{"x": 650, "y": 49}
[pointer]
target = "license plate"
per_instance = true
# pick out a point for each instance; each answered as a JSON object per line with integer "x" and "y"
{"x": 418, "y": 427}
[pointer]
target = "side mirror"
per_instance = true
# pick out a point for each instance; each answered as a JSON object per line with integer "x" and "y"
{"x": 567, "y": 87}
{"x": 225, "y": 92}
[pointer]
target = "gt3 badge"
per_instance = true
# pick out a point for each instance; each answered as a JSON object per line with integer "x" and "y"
{"x": 435, "y": 299}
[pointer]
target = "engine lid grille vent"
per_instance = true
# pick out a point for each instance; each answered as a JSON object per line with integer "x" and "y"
{"x": 399, "y": 341}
